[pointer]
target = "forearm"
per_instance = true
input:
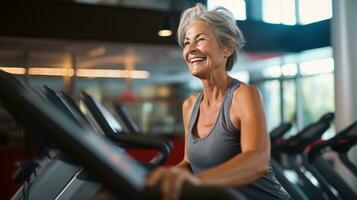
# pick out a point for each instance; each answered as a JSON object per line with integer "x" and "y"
{"x": 241, "y": 170}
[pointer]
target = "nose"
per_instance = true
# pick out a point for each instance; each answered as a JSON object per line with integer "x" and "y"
{"x": 192, "y": 47}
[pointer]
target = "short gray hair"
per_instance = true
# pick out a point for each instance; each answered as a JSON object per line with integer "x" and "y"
{"x": 224, "y": 25}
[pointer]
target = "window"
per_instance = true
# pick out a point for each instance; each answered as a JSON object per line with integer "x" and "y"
{"x": 309, "y": 14}
{"x": 271, "y": 95}
{"x": 272, "y": 72}
{"x": 289, "y": 105}
{"x": 318, "y": 96}
{"x": 279, "y": 11}
{"x": 237, "y": 7}
{"x": 289, "y": 69}
{"x": 298, "y": 92}
{"x": 319, "y": 66}
{"x": 284, "y": 11}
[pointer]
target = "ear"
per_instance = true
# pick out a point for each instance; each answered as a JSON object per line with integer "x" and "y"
{"x": 229, "y": 49}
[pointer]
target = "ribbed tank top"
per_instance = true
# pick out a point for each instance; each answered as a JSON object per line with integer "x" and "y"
{"x": 221, "y": 144}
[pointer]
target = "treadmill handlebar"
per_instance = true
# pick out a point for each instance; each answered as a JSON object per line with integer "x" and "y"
{"x": 141, "y": 141}
{"x": 279, "y": 131}
{"x": 341, "y": 142}
{"x": 310, "y": 134}
{"x": 127, "y": 139}
{"x": 125, "y": 118}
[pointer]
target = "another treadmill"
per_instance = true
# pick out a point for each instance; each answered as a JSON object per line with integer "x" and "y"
{"x": 123, "y": 175}
{"x": 295, "y": 192}
{"x": 57, "y": 176}
{"x": 322, "y": 169}
{"x": 109, "y": 125}
{"x": 293, "y": 148}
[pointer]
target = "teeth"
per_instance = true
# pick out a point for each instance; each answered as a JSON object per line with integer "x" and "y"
{"x": 192, "y": 60}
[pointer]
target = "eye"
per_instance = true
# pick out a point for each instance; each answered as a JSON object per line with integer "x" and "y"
{"x": 200, "y": 39}
{"x": 186, "y": 43}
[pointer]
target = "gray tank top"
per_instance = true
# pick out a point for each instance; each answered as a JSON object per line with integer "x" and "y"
{"x": 221, "y": 144}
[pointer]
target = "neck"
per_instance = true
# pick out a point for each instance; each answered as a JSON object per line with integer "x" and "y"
{"x": 215, "y": 87}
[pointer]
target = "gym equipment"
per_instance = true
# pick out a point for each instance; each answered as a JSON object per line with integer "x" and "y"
{"x": 279, "y": 131}
{"x": 276, "y": 137}
{"x": 123, "y": 175}
{"x": 293, "y": 148}
{"x": 322, "y": 170}
{"x": 109, "y": 125}
{"x": 308, "y": 135}
{"x": 294, "y": 191}
{"x": 121, "y": 138}
{"x": 126, "y": 119}
{"x": 74, "y": 183}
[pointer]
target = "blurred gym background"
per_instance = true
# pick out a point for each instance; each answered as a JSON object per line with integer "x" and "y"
{"x": 299, "y": 53}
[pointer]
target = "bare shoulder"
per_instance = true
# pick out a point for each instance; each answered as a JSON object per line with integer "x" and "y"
{"x": 187, "y": 107}
{"x": 247, "y": 101}
{"x": 188, "y": 103}
{"x": 246, "y": 92}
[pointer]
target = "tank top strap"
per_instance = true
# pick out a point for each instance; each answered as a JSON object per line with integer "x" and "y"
{"x": 228, "y": 103}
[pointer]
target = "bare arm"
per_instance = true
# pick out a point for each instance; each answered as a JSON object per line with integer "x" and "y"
{"x": 248, "y": 114}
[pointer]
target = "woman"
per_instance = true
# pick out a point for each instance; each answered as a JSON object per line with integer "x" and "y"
{"x": 226, "y": 141}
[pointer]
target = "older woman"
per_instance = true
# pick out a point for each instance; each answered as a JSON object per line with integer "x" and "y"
{"x": 226, "y": 140}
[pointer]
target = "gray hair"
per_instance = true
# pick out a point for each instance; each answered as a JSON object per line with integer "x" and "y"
{"x": 224, "y": 25}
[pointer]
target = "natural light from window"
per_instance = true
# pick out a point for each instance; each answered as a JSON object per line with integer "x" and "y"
{"x": 279, "y": 11}
{"x": 237, "y": 7}
{"x": 272, "y": 72}
{"x": 286, "y": 12}
{"x": 309, "y": 13}
{"x": 289, "y": 69}
{"x": 319, "y": 66}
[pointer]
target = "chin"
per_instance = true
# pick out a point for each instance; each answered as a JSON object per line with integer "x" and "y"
{"x": 197, "y": 69}
{"x": 197, "y": 74}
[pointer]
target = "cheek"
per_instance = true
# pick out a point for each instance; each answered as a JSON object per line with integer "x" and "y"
{"x": 216, "y": 53}
{"x": 211, "y": 54}
{"x": 207, "y": 50}
{"x": 184, "y": 54}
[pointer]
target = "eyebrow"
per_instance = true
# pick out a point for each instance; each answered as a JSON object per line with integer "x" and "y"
{"x": 196, "y": 36}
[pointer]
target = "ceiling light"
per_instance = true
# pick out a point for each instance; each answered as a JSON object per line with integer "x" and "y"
{"x": 112, "y": 73}
{"x": 14, "y": 70}
{"x": 165, "y": 33}
{"x": 166, "y": 27}
{"x": 51, "y": 71}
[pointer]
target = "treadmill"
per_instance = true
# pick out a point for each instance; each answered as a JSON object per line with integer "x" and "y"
{"x": 109, "y": 125}
{"x": 279, "y": 131}
{"x": 97, "y": 154}
{"x": 295, "y": 192}
{"x": 119, "y": 137}
{"x": 293, "y": 148}
{"x": 73, "y": 182}
{"x": 130, "y": 125}
{"x": 276, "y": 136}
{"x": 322, "y": 169}
{"x": 344, "y": 145}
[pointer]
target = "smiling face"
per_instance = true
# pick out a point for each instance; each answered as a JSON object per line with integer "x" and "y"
{"x": 201, "y": 51}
